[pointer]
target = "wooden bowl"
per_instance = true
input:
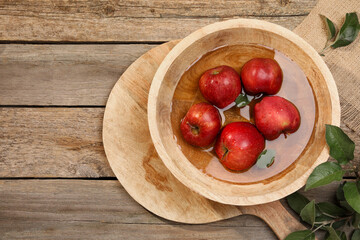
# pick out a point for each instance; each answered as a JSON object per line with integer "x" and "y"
{"x": 241, "y": 31}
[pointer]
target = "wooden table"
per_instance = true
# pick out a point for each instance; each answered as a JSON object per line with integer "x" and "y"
{"x": 58, "y": 63}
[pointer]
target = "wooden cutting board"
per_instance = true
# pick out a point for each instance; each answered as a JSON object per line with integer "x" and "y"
{"x": 134, "y": 160}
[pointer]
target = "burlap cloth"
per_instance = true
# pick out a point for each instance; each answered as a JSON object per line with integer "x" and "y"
{"x": 344, "y": 63}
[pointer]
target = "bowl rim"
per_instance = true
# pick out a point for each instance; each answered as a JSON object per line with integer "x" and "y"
{"x": 197, "y": 35}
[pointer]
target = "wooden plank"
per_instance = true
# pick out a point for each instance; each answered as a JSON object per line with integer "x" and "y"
{"x": 100, "y": 209}
{"x": 52, "y": 142}
{"x": 136, "y": 20}
{"x": 97, "y": 230}
{"x": 93, "y": 209}
{"x": 63, "y": 74}
{"x": 61, "y": 142}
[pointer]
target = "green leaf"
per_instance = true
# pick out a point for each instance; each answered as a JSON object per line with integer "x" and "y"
{"x": 297, "y": 201}
{"x": 356, "y": 235}
{"x": 322, "y": 219}
{"x": 301, "y": 235}
{"x": 331, "y": 209}
{"x": 340, "y": 192}
{"x": 339, "y": 224}
{"x": 323, "y": 174}
{"x": 266, "y": 158}
{"x": 341, "y": 198}
{"x": 242, "y": 100}
{"x": 352, "y": 195}
{"x": 332, "y": 234}
{"x": 308, "y": 213}
{"x": 356, "y": 220}
{"x": 341, "y": 146}
{"x": 318, "y": 213}
{"x": 346, "y": 205}
{"x": 342, "y": 235}
{"x": 330, "y": 26}
{"x": 348, "y": 32}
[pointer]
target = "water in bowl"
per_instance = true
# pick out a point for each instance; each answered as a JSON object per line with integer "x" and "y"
{"x": 295, "y": 88}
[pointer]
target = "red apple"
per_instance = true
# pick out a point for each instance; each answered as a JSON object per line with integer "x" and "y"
{"x": 220, "y": 86}
{"x": 239, "y": 145}
{"x": 261, "y": 75}
{"x": 275, "y": 115}
{"x": 201, "y": 124}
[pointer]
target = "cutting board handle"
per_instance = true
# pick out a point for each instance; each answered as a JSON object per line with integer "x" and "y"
{"x": 276, "y": 216}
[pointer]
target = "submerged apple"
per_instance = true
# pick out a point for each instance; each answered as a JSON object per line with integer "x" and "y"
{"x": 220, "y": 86}
{"x": 239, "y": 145}
{"x": 275, "y": 115}
{"x": 201, "y": 124}
{"x": 261, "y": 75}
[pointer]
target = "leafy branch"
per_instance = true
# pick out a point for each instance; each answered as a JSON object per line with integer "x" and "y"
{"x": 325, "y": 215}
{"x": 347, "y": 34}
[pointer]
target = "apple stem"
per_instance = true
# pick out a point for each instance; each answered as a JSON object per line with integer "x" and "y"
{"x": 215, "y": 72}
{"x": 194, "y": 129}
{"x": 225, "y": 153}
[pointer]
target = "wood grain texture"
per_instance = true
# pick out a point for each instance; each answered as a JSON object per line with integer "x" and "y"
{"x": 63, "y": 74}
{"x": 86, "y": 209}
{"x": 277, "y": 217}
{"x": 62, "y": 142}
{"x": 132, "y": 155}
{"x": 102, "y": 209}
{"x": 136, "y": 20}
{"x": 52, "y": 142}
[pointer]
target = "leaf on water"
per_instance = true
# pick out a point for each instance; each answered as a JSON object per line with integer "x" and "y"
{"x": 242, "y": 100}
{"x": 297, "y": 201}
{"x": 307, "y": 214}
{"x": 331, "y": 209}
{"x": 271, "y": 162}
{"x": 356, "y": 235}
{"x": 352, "y": 195}
{"x": 330, "y": 26}
{"x": 266, "y": 158}
{"x": 348, "y": 32}
{"x": 323, "y": 174}
{"x": 341, "y": 146}
{"x": 301, "y": 235}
